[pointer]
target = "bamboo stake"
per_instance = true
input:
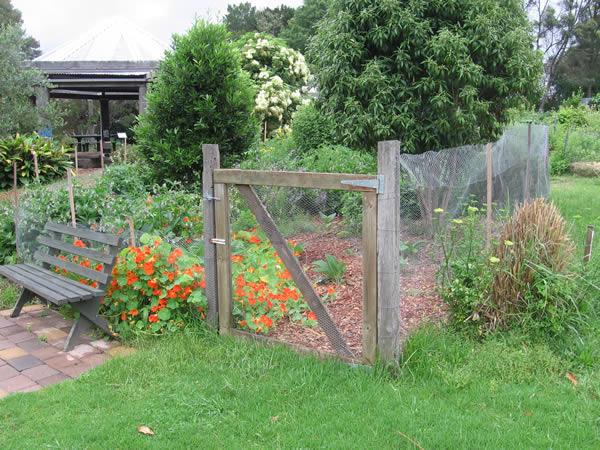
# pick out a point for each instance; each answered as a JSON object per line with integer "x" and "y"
{"x": 71, "y": 198}
{"x": 490, "y": 194}
{"x": 131, "y": 232}
{"x": 589, "y": 239}
{"x": 36, "y": 167}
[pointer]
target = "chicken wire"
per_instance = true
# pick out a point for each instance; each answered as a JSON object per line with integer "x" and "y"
{"x": 312, "y": 223}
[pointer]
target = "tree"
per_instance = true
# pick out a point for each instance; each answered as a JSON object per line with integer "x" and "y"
{"x": 554, "y": 27}
{"x": 303, "y": 25}
{"x": 579, "y": 66}
{"x": 434, "y": 74}
{"x": 244, "y": 18}
{"x": 240, "y": 18}
{"x": 199, "y": 95}
{"x": 17, "y": 84}
{"x": 9, "y": 15}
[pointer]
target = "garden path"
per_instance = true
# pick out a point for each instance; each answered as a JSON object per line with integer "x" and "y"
{"x": 31, "y": 355}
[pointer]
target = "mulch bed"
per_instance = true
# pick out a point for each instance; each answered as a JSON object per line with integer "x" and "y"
{"x": 420, "y": 302}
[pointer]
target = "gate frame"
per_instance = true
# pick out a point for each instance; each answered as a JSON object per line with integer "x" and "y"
{"x": 380, "y": 239}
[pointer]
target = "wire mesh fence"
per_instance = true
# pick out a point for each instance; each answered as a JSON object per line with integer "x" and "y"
{"x": 328, "y": 246}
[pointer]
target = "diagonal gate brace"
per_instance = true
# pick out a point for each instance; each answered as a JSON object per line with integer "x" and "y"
{"x": 302, "y": 282}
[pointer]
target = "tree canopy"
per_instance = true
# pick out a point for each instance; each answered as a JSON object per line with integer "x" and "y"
{"x": 10, "y": 16}
{"x": 433, "y": 74}
{"x": 244, "y": 18}
{"x": 303, "y": 25}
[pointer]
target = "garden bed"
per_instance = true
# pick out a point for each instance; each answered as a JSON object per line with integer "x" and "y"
{"x": 420, "y": 302}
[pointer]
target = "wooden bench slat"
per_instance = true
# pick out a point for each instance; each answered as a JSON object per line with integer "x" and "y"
{"x": 69, "y": 248}
{"x": 33, "y": 286}
{"x": 84, "y": 233}
{"x": 61, "y": 291}
{"x": 83, "y": 291}
{"x": 100, "y": 277}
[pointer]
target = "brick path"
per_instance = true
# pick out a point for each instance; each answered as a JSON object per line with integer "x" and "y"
{"x": 31, "y": 353}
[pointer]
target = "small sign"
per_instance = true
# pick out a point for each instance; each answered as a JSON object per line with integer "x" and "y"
{"x": 122, "y": 135}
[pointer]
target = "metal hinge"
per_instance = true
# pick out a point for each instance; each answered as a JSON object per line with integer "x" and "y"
{"x": 217, "y": 241}
{"x": 376, "y": 184}
{"x": 207, "y": 196}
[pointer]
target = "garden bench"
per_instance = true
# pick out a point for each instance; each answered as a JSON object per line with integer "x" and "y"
{"x": 59, "y": 290}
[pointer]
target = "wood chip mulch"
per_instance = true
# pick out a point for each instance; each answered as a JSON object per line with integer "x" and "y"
{"x": 420, "y": 301}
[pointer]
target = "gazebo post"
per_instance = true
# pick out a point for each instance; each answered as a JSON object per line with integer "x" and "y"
{"x": 142, "y": 98}
{"x": 105, "y": 119}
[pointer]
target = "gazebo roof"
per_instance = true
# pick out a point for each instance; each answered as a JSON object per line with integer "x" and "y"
{"x": 115, "y": 46}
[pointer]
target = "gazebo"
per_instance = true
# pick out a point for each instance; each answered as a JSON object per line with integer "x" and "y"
{"x": 112, "y": 61}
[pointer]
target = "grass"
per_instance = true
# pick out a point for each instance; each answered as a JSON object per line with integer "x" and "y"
{"x": 215, "y": 392}
{"x": 449, "y": 392}
{"x": 8, "y": 294}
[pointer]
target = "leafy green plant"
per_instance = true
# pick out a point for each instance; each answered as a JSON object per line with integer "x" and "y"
{"x": 331, "y": 268}
{"x": 423, "y": 71}
{"x": 311, "y": 129}
{"x": 328, "y": 221}
{"x": 199, "y": 95}
{"x": 53, "y": 159}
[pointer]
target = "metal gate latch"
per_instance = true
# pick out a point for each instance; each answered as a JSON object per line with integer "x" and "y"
{"x": 376, "y": 184}
{"x": 217, "y": 241}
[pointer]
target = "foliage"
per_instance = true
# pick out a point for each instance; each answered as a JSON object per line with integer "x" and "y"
{"x": 53, "y": 159}
{"x": 525, "y": 283}
{"x": 245, "y": 18}
{"x": 331, "y": 268}
{"x": 10, "y": 16}
{"x": 17, "y": 84}
{"x": 7, "y": 233}
{"x": 199, "y": 95}
{"x": 280, "y": 75}
{"x": 311, "y": 129}
{"x": 303, "y": 25}
{"x": 155, "y": 289}
{"x": 263, "y": 289}
{"x": 435, "y": 75}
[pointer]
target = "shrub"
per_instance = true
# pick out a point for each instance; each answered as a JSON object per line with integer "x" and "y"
{"x": 155, "y": 289}
{"x": 525, "y": 282}
{"x": 7, "y": 233}
{"x": 199, "y": 96}
{"x": 435, "y": 74}
{"x": 311, "y": 129}
{"x": 53, "y": 160}
{"x": 572, "y": 116}
{"x": 280, "y": 75}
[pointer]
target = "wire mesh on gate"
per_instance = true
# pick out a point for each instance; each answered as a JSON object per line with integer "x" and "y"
{"x": 323, "y": 230}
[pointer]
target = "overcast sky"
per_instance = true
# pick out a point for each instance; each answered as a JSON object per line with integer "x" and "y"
{"x": 53, "y": 22}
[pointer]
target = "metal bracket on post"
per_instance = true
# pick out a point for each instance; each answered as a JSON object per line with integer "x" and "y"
{"x": 207, "y": 196}
{"x": 217, "y": 241}
{"x": 376, "y": 184}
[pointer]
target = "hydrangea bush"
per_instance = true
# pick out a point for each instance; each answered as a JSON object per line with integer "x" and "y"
{"x": 281, "y": 76}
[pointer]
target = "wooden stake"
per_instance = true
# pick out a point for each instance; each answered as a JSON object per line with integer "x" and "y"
{"x": 589, "y": 239}
{"x": 211, "y": 161}
{"x": 490, "y": 194}
{"x": 101, "y": 152}
{"x": 125, "y": 150}
{"x": 76, "y": 160}
{"x": 389, "y": 296}
{"x": 527, "y": 182}
{"x": 36, "y": 168}
{"x": 15, "y": 186}
{"x": 131, "y": 232}
{"x": 71, "y": 198}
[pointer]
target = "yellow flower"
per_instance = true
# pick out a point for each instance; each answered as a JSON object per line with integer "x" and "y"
{"x": 472, "y": 209}
{"x": 458, "y": 221}
{"x": 509, "y": 243}
{"x": 438, "y": 210}
{"x": 494, "y": 260}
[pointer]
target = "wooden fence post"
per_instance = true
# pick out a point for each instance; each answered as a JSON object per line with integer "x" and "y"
{"x": 589, "y": 239}
{"x": 388, "y": 254}
{"x": 222, "y": 232}
{"x": 211, "y": 161}
{"x": 369, "y": 267}
{"x": 71, "y": 198}
{"x": 490, "y": 194}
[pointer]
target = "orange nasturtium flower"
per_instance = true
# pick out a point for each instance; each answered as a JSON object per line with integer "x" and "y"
{"x": 133, "y": 312}
{"x": 311, "y": 316}
{"x": 254, "y": 239}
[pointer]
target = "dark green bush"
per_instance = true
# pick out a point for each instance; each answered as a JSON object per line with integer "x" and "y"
{"x": 199, "y": 96}
{"x": 311, "y": 129}
{"x": 53, "y": 160}
{"x": 434, "y": 74}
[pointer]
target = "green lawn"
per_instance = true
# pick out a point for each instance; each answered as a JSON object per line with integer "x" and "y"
{"x": 450, "y": 392}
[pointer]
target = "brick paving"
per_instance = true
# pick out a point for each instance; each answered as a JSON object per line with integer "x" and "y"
{"x": 31, "y": 355}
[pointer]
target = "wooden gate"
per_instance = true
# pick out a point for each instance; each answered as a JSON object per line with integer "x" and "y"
{"x": 216, "y": 186}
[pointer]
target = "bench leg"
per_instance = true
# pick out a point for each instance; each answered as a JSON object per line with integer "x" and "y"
{"x": 88, "y": 316}
{"x": 25, "y": 297}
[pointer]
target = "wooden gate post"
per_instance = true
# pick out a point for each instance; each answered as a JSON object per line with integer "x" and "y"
{"x": 211, "y": 161}
{"x": 388, "y": 252}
